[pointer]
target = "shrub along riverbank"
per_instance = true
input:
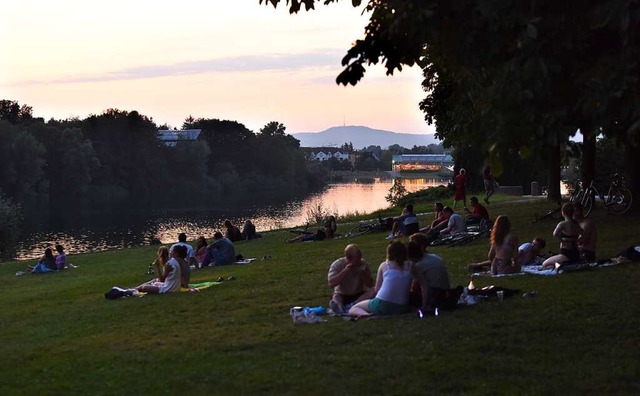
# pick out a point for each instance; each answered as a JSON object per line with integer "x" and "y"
{"x": 578, "y": 335}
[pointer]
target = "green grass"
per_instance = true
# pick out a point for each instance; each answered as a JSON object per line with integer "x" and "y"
{"x": 579, "y": 335}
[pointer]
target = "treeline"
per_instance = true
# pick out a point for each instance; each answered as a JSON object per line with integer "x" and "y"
{"x": 116, "y": 158}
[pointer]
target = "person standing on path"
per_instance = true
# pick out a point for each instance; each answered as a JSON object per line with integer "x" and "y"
{"x": 489, "y": 183}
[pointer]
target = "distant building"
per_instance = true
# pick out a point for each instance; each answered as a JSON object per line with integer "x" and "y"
{"x": 171, "y": 138}
{"x": 325, "y": 153}
{"x": 421, "y": 162}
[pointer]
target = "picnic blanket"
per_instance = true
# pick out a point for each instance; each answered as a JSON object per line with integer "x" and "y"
{"x": 196, "y": 287}
{"x": 244, "y": 261}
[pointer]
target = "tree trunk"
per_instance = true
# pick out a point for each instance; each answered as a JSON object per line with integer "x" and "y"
{"x": 553, "y": 192}
{"x": 632, "y": 172}
{"x": 588, "y": 157}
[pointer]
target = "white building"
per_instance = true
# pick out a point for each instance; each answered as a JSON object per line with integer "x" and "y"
{"x": 326, "y": 153}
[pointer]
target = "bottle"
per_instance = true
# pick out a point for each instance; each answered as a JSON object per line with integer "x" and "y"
{"x": 150, "y": 269}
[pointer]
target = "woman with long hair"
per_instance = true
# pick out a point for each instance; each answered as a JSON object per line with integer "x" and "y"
{"x": 503, "y": 253}
{"x": 161, "y": 260}
{"x": 47, "y": 263}
{"x": 201, "y": 249}
{"x": 392, "y": 285}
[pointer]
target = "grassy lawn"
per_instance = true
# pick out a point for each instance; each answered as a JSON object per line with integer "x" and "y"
{"x": 580, "y": 334}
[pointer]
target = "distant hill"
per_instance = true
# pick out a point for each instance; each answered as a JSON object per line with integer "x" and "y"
{"x": 361, "y": 136}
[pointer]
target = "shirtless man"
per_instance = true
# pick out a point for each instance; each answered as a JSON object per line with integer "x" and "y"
{"x": 586, "y": 241}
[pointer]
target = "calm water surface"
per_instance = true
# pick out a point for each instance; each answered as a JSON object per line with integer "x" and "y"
{"x": 113, "y": 231}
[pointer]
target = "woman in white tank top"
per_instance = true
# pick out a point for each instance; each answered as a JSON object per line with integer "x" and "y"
{"x": 393, "y": 284}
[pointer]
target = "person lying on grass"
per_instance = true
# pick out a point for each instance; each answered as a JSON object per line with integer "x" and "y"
{"x": 319, "y": 235}
{"x": 350, "y": 277}
{"x": 392, "y": 285}
{"x": 629, "y": 255}
{"x": 171, "y": 278}
{"x": 568, "y": 232}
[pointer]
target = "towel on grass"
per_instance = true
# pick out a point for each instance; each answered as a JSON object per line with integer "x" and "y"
{"x": 488, "y": 273}
{"x": 245, "y": 261}
{"x": 566, "y": 267}
{"x": 196, "y": 287}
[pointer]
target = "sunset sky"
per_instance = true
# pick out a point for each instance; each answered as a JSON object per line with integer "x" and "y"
{"x": 227, "y": 59}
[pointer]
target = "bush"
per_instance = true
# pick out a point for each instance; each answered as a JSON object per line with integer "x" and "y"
{"x": 428, "y": 196}
{"x": 318, "y": 212}
{"x": 10, "y": 222}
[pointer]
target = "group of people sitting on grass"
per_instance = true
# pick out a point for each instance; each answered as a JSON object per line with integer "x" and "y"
{"x": 445, "y": 222}
{"x": 234, "y": 234}
{"x": 173, "y": 265}
{"x": 50, "y": 262}
{"x": 409, "y": 278}
{"x": 576, "y": 233}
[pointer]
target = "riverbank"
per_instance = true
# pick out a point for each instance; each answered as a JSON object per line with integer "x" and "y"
{"x": 61, "y": 335}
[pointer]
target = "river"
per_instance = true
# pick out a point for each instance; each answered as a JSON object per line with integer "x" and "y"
{"x": 117, "y": 231}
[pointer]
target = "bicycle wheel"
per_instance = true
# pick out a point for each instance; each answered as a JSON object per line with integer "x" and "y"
{"x": 360, "y": 229}
{"x": 620, "y": 200}
{"x": 577, "y": 197}
{"x": 587, "y": 204}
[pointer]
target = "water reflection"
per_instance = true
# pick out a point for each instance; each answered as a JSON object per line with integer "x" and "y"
{"x": 117, "y": 231}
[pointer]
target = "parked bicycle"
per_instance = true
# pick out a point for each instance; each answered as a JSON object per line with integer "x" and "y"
{"x": 618, "y": 199}
{"x": 373, "y": 226}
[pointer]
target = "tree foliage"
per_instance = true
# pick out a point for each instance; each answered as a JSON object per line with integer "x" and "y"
{"x": 512, "y": 78}
{"x": 115, "y": 158}
{"x": 10, "y": 219}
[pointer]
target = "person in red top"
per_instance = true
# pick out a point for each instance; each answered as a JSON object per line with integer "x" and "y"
{"x": 438, "y": 217}
{"x": 461, "y": 189}
{"x": 478, "y": 214}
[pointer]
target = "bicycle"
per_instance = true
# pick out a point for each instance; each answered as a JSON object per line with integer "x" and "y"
{"x": 366, "y": 227}
{"x": 548, "y": 215}
{"x": 617, "y": 201}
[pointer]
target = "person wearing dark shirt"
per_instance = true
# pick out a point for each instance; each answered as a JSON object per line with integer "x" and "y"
{"x": 249, "y": 231}
{"x": 220, "y": 252}
{"x": 232, "y": 232}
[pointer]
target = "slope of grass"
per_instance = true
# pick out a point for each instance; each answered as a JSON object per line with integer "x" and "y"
{"x": 578, "y": 335}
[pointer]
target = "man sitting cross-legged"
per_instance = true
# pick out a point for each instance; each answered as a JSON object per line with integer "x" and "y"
{"x": 406, "y": 224}
{"x": 478, "y": 213}
{"x": 350, "y": 277}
